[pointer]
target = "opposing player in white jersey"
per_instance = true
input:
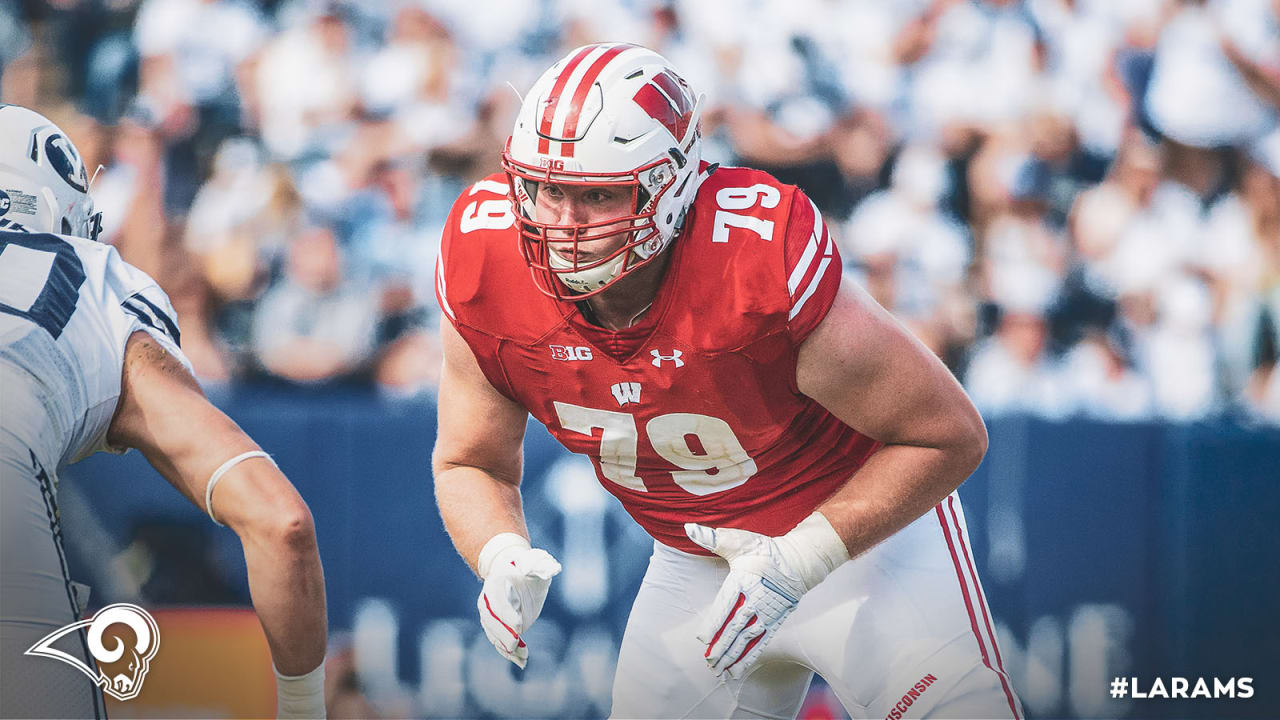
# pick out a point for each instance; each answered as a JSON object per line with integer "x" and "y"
{"x": 89, "y": 361}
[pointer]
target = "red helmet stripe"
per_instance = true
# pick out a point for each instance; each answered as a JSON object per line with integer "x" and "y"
{"x": 580, "y": 94}
{"x": 553, "y": 99}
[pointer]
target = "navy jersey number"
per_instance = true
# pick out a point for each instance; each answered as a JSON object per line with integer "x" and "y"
{"x": 56, "y": 301}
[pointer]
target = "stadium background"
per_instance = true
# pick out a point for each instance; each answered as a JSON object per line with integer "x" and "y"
{"x": 1076, "y": 204}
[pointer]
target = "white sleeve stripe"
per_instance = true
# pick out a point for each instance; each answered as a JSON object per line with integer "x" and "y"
{"x": 444, "y": 299}
{"x": 802, "y": 267}
{"x": 811, "y": 249}
{"x": 813, "y": 283}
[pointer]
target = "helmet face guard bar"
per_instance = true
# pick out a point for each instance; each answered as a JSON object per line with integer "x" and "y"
{"x": 538, "y": 239}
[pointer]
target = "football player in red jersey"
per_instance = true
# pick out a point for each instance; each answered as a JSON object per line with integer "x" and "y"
{"x": 791, "y": 448}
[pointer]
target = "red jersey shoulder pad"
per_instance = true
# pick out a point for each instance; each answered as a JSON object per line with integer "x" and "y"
{"x": 758, "y": 256}
{"x": 482, "y": 282}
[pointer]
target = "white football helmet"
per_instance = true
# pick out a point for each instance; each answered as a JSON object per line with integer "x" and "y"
{"x": 605, "y": 114}
{"x": 43, "y": 184}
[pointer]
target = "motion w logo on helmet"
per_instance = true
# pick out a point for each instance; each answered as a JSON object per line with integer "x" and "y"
{"x": 667, "y": 99}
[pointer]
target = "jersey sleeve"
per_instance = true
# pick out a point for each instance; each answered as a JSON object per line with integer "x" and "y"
{"x": 813, "y": 267}
{"x": 480, "y": 217}
{"x": 146, "y": 307}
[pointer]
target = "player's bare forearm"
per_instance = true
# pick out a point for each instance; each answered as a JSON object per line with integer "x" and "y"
{"x": 898, "y": 484}
{"x": 286, "y": 579}
{"x": 163, "y": 413}
{"x": 475, "y": 506}
{"x": 872, "y": 374}
{"x": 478, "y": 455}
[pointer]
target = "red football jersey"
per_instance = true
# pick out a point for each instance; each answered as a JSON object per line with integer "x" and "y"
{"x": 693, "y": 414}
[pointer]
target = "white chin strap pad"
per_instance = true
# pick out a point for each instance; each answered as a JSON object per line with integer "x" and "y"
{"x": 586, "y": 280}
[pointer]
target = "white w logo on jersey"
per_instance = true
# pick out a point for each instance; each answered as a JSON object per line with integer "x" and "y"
{"x": 626, "y": 392}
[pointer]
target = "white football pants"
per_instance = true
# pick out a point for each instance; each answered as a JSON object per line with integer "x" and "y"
{"x": 36, "y": 594}
{"x": 902, "y": 631}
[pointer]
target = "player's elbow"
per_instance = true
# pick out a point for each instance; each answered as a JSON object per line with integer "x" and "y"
{"x": 970, "y": 446}
{"x": 294, "y": 530}
{"x": 286, "y": 525}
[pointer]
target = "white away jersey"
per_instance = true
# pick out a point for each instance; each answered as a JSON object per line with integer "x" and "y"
{"x": 67, "y": 308}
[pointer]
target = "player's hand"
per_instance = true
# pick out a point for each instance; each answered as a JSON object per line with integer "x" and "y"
{"x": 767, "y": 577}
{"x": 516, "y": 580}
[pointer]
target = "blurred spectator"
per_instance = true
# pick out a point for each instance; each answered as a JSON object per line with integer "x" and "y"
{"x": 15, "y": 41}
{"x": 977, "y": 68}
{"x": 1102, "y": 383}
{"x": 304, "y": 87}
{"x": 1240, "y": 256}
{"x": 237, "y": 233}
{"x": 319, "y": 323}
{"x": 1196, "y": 97}
{"x": 1082, "y": 82}
{"x": 1262, "y": 394}
{"x": 191, "y": 52}
{"x": 1176, "y": 350}
{"x": 1021, "y": 256}
{"x": 220, "y": 230}
{"x": 130, "y": 192}
{"x": 192, "y": 47}
{"x": 1012, "y": 371}
{"x": 914, "y": 258}
{"x": 414, "y": 80}
{"x": 395, "y": 238}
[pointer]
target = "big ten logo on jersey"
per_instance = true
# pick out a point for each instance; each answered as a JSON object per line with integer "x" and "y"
{"x": 744, "y": 198}
{"x": 492, "y": 214}
{"x": 569, "y": 353}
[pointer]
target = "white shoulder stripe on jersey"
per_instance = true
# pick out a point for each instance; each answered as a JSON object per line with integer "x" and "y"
{"x": 810, "y": 250}
{"x": 444, "y": 298}
{"x": 815, "y": 282}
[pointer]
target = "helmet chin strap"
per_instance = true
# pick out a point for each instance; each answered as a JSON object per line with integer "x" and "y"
{"x": 589, "y": 279}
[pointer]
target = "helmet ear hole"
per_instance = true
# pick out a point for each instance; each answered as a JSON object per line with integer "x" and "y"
{"x": 66, "y": 226}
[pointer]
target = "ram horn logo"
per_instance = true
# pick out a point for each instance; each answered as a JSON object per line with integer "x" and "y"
{"x": 121, "y": 668}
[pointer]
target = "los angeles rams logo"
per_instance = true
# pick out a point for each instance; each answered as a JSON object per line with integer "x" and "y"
{"x": 122, "y": 667}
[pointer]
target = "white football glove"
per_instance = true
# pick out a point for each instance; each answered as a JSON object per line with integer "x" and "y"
{"x": 767, "y": 577}
{"x": 516, "y": 580}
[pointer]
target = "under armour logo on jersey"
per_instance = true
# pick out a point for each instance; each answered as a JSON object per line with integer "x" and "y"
{"x": 626, "y": 392}
{"x": 658, "y": 358}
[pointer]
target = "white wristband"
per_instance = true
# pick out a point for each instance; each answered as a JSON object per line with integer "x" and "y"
{"x": 818, "y": 548}
{"x": 300, "y": 696}
{"x": 498, "y": 545}
{"x": 222, "y": 470}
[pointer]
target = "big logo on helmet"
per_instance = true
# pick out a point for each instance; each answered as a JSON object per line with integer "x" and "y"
{"x": 666, "y": 98}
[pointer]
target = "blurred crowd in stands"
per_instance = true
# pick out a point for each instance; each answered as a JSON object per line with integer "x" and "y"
{"x": 1075, "y": 203}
